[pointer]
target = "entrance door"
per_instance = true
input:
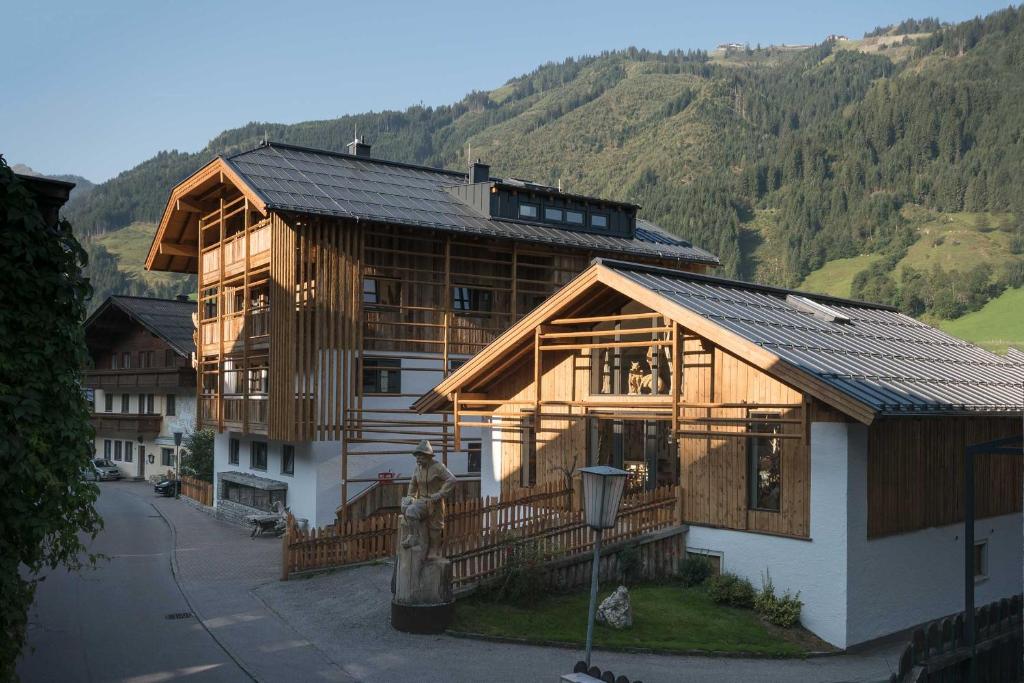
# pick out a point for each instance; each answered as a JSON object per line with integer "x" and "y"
{"x": 142, "y": 462}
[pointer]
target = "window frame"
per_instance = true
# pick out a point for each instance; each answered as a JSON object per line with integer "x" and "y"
{"x": 386, "y": 292}
{"x": 753, "y": 459}
{"x": 167, "y": 457}
{"x": 234, "y": 449}
{"x": 170, "y": 405}
{"x": 126, "y": 407}
{"x": 252, "y": 455}
{"x": 108, "y": 402}
{"x": 108, "y": 449}
{"x": 533, "y": 205}
{"x": 582, "y": 214}
{"x": 474, "y": 456}
{"x": 169, "y": 361}
{"x": 126, "y": 360}
{"x": 469, "y": 299}
{"x": 559, "y": 218}
{"x": 117, "y": 450}
{"x": 288, "y": 456}
{"x": 599, "y": 214}
{"x": 129, "y": 448}
{"x": 378, "y": 365}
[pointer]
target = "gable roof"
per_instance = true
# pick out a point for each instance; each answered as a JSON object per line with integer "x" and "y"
{"x": 291, "y": 178}
{"x": 882, "y": 361}
{"x": 169, "y": 319}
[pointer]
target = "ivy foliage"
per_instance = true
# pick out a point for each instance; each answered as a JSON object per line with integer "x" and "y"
{"x": 47, "y": 440}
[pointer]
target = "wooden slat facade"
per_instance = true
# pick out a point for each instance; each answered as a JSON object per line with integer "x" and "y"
{"x": 915, "y": 472}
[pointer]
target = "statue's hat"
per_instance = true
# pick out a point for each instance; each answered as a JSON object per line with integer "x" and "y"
{"x": 424, "y": 447}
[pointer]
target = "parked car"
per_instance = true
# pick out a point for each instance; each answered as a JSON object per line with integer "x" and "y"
{"x": 106, "y": 470}
{"x": 89, "y": 473}
{"x": 166, "y": 487}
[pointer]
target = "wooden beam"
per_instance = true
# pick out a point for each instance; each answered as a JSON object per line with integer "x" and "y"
{"x": 190, "y": 249}
{"x": 193, "y": 206}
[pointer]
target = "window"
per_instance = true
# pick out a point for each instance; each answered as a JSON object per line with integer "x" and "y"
{"x": 124, "y": 404}
{"x": 258, "y": 456}
{"x": 253, "y": 497}
{"x": 382, "y": 376}
{"x": 108, "y": 447}
{"x": 764, "y": 465}
{"x": 169, "y": 358}
{"x": 465, "y": 299}
{"x": 126, "y": 360}
{"x": 142, "y": 404}
{"x": 574, "y": 217}
{"x": 553, "y": 214}
{"x": 259, "y": 381}
{"x": 108, "y": 403}
{"x": 117, "y": 450}
{"x": 528, "y": 468}
{"x": 473, "y": 457}
{"x": 128, "y": 446}
{"x": 599, "y": 221}
{"x": 145, "y": 359}
{"x": 455, "y": 363}
{"x": 150, "y": 404}
{"x": 113, "y": 361}
{"x": 167, "y": 457}
{"x": 233, "y": 446}
{"x": 170, "y": 405}
{"x": 382, "y": 292}
{"x": 980, "y": 560}
{"x": 528, "y": 211}
{"x": 287, "y": 459}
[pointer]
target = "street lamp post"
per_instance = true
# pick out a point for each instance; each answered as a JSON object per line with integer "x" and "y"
{"x": 177, "y": 464}
{"x": 602, "y": 492}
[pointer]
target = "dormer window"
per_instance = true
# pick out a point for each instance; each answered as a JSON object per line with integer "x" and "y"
{"x": 574, "y": 217}
{"x": 599, "y": 221}
{"x": 553, "y": 214}
{"x": 528, "y": 211}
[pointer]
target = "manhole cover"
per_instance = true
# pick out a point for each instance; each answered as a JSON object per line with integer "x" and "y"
{"x": 179, "y": 615}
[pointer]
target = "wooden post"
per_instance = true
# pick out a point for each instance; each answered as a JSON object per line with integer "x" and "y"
{"x": 245, "y": 322}
{"x": 220, "y": 325}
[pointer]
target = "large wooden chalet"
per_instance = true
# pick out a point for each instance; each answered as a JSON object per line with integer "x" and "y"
{"x": 335, "y": 288}
{"x": 814, "y": 439}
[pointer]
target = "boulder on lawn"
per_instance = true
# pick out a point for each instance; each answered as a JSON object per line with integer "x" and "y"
{"x": 615, "y": 610}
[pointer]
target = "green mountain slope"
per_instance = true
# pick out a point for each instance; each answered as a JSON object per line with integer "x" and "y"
{"x": 843, "y": 162}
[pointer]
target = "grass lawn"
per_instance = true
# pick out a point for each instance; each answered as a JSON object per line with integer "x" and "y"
{"x": 665, "y": 617}
{"x": 997, "y": 325}
{"x": 835, "y": 278}
{"x": 131, "y": 245}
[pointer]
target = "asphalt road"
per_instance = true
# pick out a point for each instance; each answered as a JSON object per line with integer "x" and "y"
{"x": 112, "y": 623}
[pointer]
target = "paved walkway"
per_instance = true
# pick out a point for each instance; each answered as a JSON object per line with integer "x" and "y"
{"x": 335, "y": 626}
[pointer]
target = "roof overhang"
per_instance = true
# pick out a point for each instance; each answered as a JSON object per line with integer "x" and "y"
{"x": 508, "y": 348}
{"x": 175, "y": 245}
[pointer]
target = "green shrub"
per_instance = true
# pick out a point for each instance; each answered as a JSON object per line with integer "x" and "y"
{"x": 694, "y": 570}
{"x": 522, "y": 580}
{"x": 782, "y": 611}
{"x": 729, "y": 589}
{"x": 630, "y": 564}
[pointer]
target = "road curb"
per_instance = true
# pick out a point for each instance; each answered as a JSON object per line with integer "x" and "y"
{"x": 188, "y": 601}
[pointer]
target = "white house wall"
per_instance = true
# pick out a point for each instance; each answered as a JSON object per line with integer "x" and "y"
{"x": 900, "y": 581}
{"x": 816, "y": 567}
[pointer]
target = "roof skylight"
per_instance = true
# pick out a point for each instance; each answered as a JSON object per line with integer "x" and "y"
{"x": 817, "y": 310}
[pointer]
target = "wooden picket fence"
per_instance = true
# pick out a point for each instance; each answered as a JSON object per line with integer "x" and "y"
{"x": 197, "y": 489}
{"x": 555, "y": 532}
{"x": 939, "y": 651}
{"x": 480, "y": 533}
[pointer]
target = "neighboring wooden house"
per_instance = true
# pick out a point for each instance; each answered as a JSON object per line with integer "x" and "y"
{"x": 335, "y": 288}
{"x": 141, "y": 381}
{"x": 816, "y": 439}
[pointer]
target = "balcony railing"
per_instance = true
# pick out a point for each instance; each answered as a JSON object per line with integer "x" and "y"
{"x": 128, "y": 424}
{"x": 259, "y": 410}
{"x": 233, "y": 252}
{"x": 173, "y": 377}
{"x": 259, "y": 327}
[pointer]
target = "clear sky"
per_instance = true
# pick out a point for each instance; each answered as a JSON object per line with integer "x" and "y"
{"x": 94, "y": 87}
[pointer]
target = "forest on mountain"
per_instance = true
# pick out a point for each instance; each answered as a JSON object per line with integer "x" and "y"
{"x": 778, "y": 160}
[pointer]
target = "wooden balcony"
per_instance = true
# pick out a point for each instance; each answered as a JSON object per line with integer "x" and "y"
{"x": 127, "y": 424}
{"x": 234, "y": 417}
{"x": 141, "y": 378}
{"x": 232, "y": 251}
{"x": 234, "y": 331}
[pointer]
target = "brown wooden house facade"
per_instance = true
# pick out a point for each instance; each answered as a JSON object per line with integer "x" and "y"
{"x": 814, "y": 439}
{"x": 336, "y": 288}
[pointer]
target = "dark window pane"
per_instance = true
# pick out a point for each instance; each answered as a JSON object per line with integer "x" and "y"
{"x": 233, "y": 447}
{"x": 764, "y": 467}
{"x": 382, "y": 376}
{"x": 473, "y": 457}
{"x": 287, "y": 459}
{"x": 528, "y": 211}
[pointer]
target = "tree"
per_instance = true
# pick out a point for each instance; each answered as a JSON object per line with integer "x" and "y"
{"x": 197, "y": 454}
{"x": 47, "y": 439}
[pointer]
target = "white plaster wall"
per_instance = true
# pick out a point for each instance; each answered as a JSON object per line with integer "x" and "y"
{"x": 302, "y": 486}
{"x": 900, "y": 581}
{"x": 816, "y": 568}
{"x": 183, "y": 421}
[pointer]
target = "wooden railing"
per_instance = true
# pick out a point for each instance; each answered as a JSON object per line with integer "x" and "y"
{"x": 940, "y": 651}
{"x": 197, "y": 489}
{"x": 479, "y": 533}
{"x": 233, "y": 252}
{"x": 385, "y": 497}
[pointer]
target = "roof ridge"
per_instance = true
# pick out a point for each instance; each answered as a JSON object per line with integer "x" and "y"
{"x": 346, "y": 155}
{"x": 739, "y": 284}
{"x": 151, "y": 298}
